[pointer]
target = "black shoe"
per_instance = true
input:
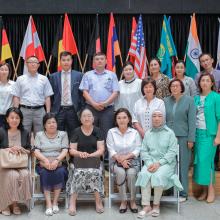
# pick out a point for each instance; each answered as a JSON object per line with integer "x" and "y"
{"x": 135, "y": 210}
{"x": 122, "y": 211}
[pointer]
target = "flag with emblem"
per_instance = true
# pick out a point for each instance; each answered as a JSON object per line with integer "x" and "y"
{"x": 140, "y": 63}
{"x": 167, "y": 49}
{"x": 193, "y": 50}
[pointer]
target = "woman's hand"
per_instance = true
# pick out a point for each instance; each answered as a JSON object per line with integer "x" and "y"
{"x": 153, "y": 167}
{"x": 216, "y": 141}
{"x": 190, "y": 145}
{"x": 46, "y": 164}
{"x": 54, "y": 164}
{"x": 83, "y": 155}
{"x": 15, "y": 149}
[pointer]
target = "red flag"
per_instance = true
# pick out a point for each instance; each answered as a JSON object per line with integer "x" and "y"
{"x": 69, "y": 43}
{"x": 31, "y": 44}
{"x": 132, "y": 48}
{"x": 113, "y": 48}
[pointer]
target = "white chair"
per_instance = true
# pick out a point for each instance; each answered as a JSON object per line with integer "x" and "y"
{"x": 40, "y": 195}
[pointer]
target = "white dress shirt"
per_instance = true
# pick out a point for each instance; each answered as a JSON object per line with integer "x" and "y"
{"x": 143, "y": 111}
{"x": 68, "y": 75}
{"x": 5, "y": 96}
{"x": 32, "y": 90}
{"x": 118, "y": 143}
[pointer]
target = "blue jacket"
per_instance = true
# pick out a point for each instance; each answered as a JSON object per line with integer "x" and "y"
{"x": 76, "y": 94}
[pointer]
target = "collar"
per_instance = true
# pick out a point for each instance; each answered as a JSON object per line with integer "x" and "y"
{"x": 99, "y": 73}
{"x": 130, "y": 81}
{"x": 116, "y": 130}
{"x": 30, "y": 75}
{"x": 66, "y": 72}
{"x": 9, "y": 82}
{"x": 162, "y": 127}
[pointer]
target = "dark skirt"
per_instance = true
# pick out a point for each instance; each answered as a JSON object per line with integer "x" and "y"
{"x": 52, "y": 179}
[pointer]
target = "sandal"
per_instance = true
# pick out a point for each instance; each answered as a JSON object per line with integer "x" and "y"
{"x": 155, "y": 212}
{"x": 72, "y": 212}
{"x": 49, "y": 212}
{"x": 144, "y": 213}
{"x": 6, "y": 212}
{"x": 16, "y": 210}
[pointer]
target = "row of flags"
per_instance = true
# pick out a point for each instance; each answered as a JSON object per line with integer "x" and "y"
{"x": 65, "y": 41}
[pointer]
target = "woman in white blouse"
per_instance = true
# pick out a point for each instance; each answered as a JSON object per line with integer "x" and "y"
{"x": 5, "y": 90}
{"x": 144, "y": 107}
{"x": 129, "y": 89}
{"x": 124, "y": 144}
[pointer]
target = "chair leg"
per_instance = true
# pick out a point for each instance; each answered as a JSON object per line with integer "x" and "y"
{"x": 66, "y": 201}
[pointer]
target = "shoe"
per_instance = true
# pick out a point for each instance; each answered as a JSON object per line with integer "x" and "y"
{"x": 122, "y": 211}
{"x": 144, "y": 213}
{"x": 6, "y": 212}
{"x": 133, "y": 210}
{"x": 155, "y": 212}
{"x": 202, "y": 197}
{"x": 72, "y": 212}
{"x": 16, "y": 210}
{"x": 99, "y": 210}
{"x": 210, "y": 200}
{"x": 55, "y": 209}
{"x": 49, "y": 212}
{"x": 182, "y": 198}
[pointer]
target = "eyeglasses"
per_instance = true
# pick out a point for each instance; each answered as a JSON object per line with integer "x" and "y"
{"x": 32, "y": 62}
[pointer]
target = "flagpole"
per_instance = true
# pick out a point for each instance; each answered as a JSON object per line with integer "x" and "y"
{"x": 48, "y": 66}
{"x": 16, "y": 68}
{"x": 80, "y": 63}
{"x": 15, "y": 71}
{"x": 127, "y": 57}
{"x": 84, "y": 65}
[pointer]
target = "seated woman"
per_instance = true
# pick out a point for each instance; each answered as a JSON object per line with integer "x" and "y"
{"x": 50, "y": 148}
{"x": 87, "y": 143}
{"x": 159, "y": 150}
{"x": 15, "y": 183}
{"x": 124, "y": 144}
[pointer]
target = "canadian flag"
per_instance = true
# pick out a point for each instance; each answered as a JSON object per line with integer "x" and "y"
{"x": 31, "y": 44}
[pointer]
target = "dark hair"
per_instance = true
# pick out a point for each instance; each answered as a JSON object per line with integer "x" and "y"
{"x": 126, "y": 112}
{"x": 18, "y": 112}
{"x": 9, "y": 69}
{"x": 213, "y": 88}
{"x": 128, "y": 63}
{"x": 84, "y": 109}
{"x": 32, "y": 56}
{"x": 155, "y": 58}
{"x": 203, "y": 54}
{"x": 98, "y": 54}
{"x": 180, "y": 82}
{"x": 180, "y": 61}
{"x": 48, "y": 116}
{"x": 65, "y": 54}
{"x": 148, "y": 81}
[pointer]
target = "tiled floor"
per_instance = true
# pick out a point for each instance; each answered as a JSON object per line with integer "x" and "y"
{"x": 190, "y": 210}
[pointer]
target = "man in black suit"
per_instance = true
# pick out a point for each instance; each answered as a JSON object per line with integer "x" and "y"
{"x": 67, "y": 99}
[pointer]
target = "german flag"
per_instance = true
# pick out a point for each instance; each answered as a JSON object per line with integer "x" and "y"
{"x": 58, "y": 43}
{"x": 5, "y": 47}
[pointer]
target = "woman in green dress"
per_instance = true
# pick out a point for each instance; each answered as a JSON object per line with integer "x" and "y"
{"x": 207, "y": 136}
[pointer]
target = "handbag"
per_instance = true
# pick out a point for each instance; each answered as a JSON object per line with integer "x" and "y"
{"x": 90, "y": 162}
{"x": 10, "y": 160}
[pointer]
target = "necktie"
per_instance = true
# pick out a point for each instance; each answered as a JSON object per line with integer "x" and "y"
{"x": 66, "y": 89}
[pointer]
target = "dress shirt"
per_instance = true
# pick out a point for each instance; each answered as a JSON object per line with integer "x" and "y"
{"x": 68, "y": 74}
{"x": 5, "y": 96}
{"x": 143, "y": 111}
{"x": 100, "y": 86}
{"x": 118, "y": 143}
{"x": 32, "y": 90}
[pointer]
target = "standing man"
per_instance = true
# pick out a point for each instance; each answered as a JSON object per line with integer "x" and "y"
{"x": 31, "y": 92}
{"x": 100, "y": 88}
{"x": 206, "y": 62}
{"x": 67, "y": 99}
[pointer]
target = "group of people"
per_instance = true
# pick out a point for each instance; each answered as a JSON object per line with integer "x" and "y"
{"x": 92, "y": 119}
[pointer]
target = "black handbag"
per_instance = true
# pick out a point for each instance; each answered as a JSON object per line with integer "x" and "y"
{"x": 85, "y": 163}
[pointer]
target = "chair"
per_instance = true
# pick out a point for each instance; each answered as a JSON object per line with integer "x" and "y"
{"x": 112, "y": 195}
{"x": 116, "y": 196}
{"x": 40, "y": 195}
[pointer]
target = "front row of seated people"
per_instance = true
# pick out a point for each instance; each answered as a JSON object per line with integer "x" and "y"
{"x": 51, "y": 146}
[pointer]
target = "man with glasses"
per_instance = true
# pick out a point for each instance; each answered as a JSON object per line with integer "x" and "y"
{"x": 32, "y": 92}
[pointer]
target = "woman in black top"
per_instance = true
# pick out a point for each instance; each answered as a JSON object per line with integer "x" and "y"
{"x": 87, "y": 142}
{"x": 15, "y": 184}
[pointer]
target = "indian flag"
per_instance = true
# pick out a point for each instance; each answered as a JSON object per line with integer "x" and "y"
{"x": 193, "y": 50}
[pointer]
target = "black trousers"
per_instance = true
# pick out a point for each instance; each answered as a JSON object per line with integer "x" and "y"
{"x": 67, "y": 120}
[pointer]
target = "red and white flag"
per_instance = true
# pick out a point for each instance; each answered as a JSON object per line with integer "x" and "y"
{"x": 132, "y": 49}
{"x": 31, "y": 44}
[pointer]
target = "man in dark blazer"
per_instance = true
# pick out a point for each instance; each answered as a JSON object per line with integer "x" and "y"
{"x": 67, "y": 99}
